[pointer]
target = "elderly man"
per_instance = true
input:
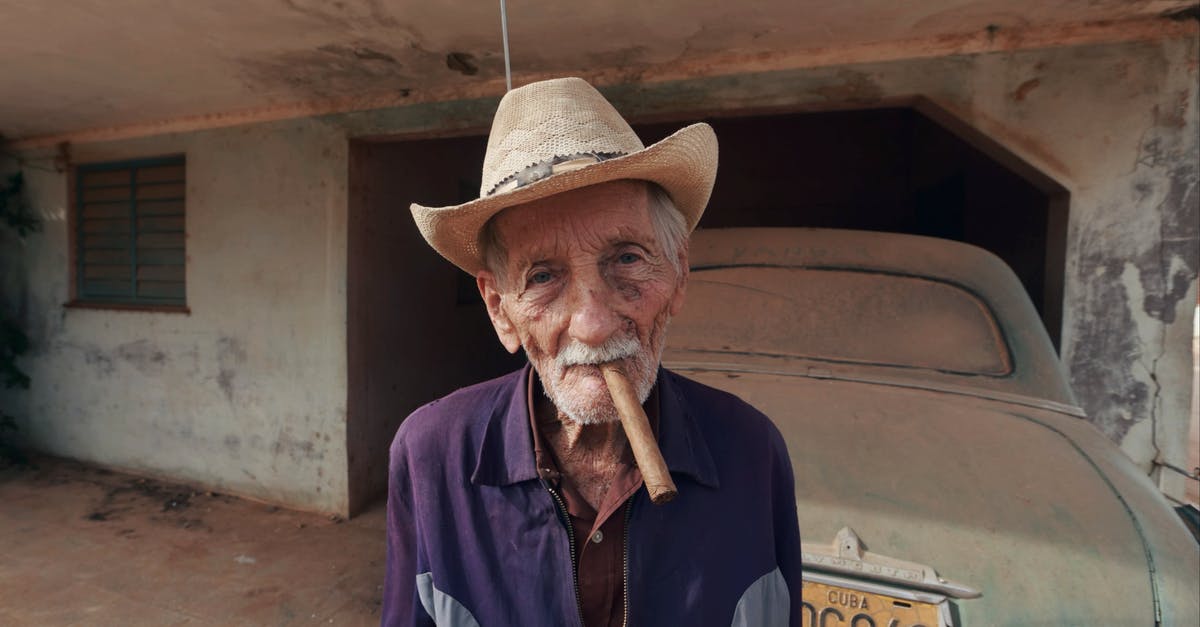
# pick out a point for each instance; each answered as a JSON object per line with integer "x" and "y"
{"x": 517, "y": 501}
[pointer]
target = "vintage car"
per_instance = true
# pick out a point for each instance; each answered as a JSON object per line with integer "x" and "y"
{"x": 944, "y": 473}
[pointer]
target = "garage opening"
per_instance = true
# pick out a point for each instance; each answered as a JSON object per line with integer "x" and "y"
{"x": 417, "y": 329}
{"x": 904, "y": 170}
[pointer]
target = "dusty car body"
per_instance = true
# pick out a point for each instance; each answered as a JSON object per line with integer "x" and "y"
{"x": 944, "y": 474}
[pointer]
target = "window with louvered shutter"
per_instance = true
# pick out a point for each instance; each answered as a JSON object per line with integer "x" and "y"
{"x": 130, "y": 232}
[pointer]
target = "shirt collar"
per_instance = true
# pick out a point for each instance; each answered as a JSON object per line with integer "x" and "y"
{"x": 506, "y": 452}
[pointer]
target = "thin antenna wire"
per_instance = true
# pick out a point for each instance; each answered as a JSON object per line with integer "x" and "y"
{"x": 504, "y": 33}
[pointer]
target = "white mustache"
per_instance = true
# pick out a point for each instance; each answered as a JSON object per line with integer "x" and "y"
{"x": 579, "y": 354}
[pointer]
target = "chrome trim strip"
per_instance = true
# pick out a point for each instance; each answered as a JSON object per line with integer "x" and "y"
{"x": 848, "y": 556}
{"x": 821, "y": 373}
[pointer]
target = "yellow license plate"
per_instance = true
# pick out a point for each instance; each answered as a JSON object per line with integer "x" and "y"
{"x": 828, "y": 605}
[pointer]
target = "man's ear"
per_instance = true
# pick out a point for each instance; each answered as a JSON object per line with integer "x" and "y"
{"x": 489, "y": 289}
{"x": 681, "y": 281}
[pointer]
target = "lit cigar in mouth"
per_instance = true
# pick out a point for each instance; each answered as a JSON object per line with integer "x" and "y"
{"x": 641, "y": 439}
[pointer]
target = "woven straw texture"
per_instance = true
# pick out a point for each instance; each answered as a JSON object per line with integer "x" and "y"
{"x": 560, "y": 117}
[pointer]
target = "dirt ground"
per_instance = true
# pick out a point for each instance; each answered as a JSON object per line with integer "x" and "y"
{"x": 86, "y": 546}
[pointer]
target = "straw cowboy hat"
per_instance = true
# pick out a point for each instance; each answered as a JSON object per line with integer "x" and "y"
{"x": 558, "y": 135}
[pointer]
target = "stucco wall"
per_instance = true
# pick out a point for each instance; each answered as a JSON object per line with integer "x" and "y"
{"x": 247, "y": 392}
{"x": 1117, "y": 125}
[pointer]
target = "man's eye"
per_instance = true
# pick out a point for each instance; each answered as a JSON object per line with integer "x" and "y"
{"x": 540, "y": 277}
{"x": 627, "y": 258}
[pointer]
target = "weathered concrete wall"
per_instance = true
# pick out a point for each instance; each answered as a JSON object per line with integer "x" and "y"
{"x": 242, "y": 393}
{"x": 1132, "y": 151}
{"x": 247, "y": 392}
{"x": 1117, "y": 125}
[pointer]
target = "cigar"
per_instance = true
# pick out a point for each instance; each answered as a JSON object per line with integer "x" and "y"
{"x": 641, "y": 439}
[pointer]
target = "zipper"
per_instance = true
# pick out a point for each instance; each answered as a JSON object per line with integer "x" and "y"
{"x": 562, "y": 508}
{"x": 625, "y": 560}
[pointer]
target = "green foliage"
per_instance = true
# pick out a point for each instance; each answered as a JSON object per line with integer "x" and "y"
{"x": 17, "y": 216}
{"x": 13, "y": 344}
{"x": 10, "y": 453}
{"x": 14, "y": 210}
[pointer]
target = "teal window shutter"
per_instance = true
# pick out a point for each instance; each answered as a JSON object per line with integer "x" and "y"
{"x": 130, "y": 237}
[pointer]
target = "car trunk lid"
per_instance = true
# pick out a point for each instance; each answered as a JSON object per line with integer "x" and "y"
{"x": 989, "y": 494}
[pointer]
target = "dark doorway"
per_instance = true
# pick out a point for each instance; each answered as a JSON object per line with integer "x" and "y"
{"x": 891, "y": 170}
{"x": 417, "y": 329}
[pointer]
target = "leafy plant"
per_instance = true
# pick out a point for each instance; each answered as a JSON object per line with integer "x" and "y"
{"x": 14, "y": 210}
{"x": 17, "y": 216}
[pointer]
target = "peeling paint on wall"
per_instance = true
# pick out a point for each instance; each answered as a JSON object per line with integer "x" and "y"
{"x": 1114, "y": 398}
{"x": 243, "y": 394}
{"x": 1135, "y": 272}
{"x": 1136, "y": 287}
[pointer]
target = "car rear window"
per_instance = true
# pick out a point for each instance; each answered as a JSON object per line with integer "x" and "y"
{"x": 840, "y": 315}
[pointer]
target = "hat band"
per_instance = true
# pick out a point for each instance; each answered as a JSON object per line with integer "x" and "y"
{"x": 551, "y": 166}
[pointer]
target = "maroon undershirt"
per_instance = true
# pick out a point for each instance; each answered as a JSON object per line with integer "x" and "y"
{"x": 599, "y": 534}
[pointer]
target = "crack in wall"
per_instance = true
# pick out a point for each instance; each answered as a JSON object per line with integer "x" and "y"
{"x": 1138, "y": 267}
{"x": 1156, "y": 401}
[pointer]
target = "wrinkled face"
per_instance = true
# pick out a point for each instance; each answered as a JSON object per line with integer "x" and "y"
{"x": 585, "y": 282}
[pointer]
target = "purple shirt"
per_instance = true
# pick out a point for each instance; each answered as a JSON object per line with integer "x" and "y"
{"x": 476, "y": 538}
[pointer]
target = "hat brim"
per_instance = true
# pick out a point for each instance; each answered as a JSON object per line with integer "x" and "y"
{"x": 684, "y": 164}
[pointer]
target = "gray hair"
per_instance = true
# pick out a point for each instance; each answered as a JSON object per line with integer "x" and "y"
{"x": 669, "y": 227}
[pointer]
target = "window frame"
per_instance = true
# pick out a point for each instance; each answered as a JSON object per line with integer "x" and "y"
{"x": 78, "y": 298}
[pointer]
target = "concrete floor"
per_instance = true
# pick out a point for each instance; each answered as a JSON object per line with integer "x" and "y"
{"x": 85, "y": 546}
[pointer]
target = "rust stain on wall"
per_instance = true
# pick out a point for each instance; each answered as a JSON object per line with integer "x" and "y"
{"x": 1025, "y": 88}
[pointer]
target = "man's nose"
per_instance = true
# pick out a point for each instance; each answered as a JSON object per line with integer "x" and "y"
{"x": 593, "y": 319}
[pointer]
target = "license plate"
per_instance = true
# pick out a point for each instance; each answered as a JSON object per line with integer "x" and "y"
{"x": 851, "y": 604}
